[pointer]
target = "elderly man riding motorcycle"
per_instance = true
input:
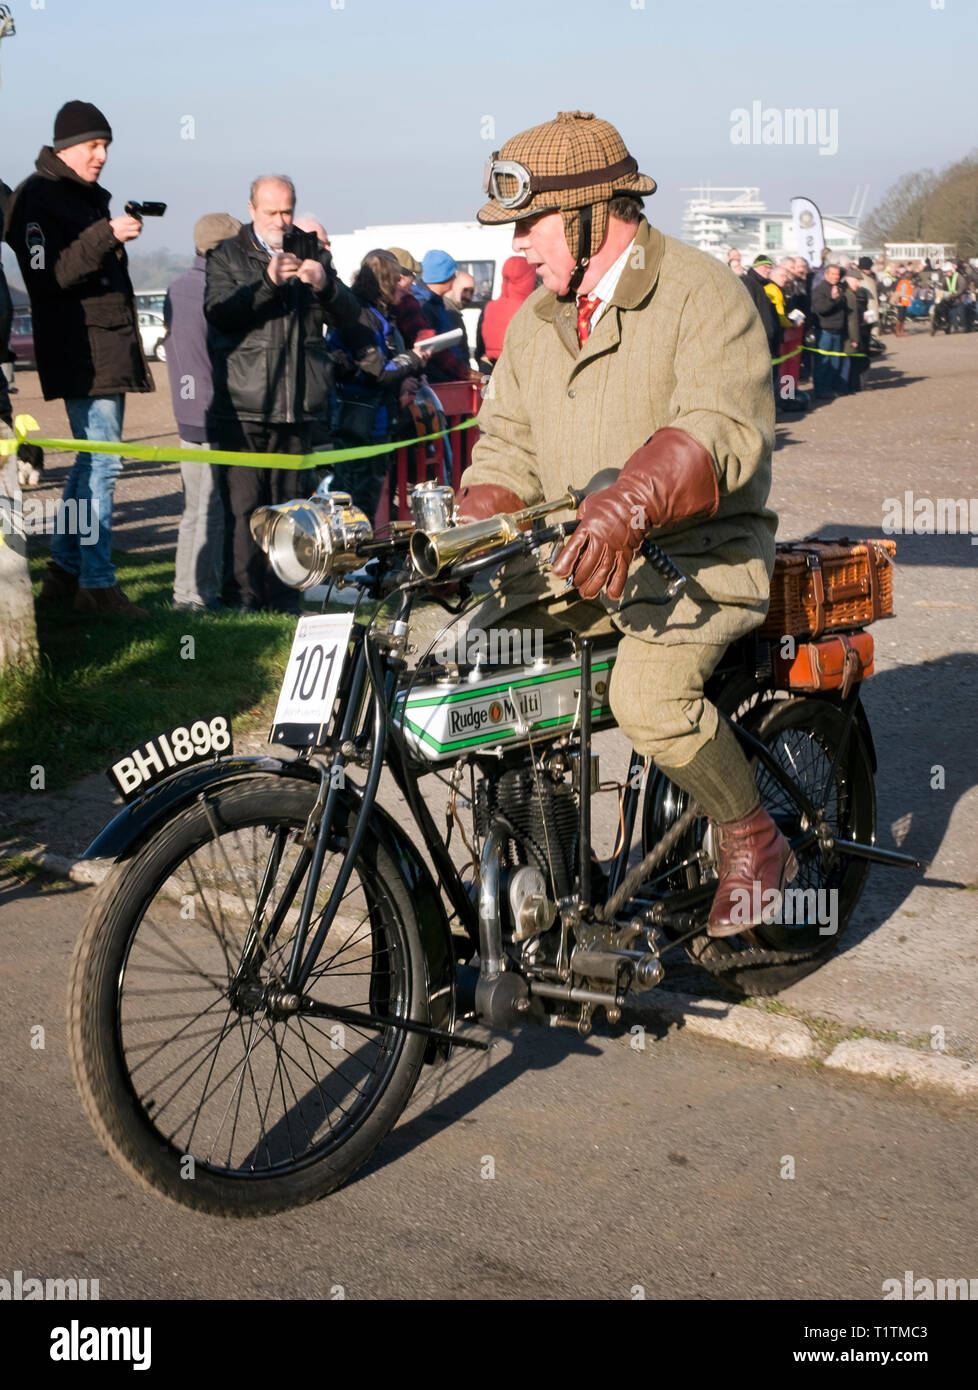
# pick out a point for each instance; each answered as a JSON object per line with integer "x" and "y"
{"x": 640, "y": 353}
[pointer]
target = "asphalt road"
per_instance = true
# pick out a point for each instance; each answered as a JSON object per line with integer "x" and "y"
{"x": 613, "y": 1168}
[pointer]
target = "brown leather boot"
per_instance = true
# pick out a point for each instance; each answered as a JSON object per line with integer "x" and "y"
{"x": 59, "y": 585}
{"x": 755, "y": 861}
{"x": 112, "y": 600}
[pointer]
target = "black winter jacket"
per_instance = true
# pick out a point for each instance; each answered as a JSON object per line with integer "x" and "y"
{"x": 831, "y": 312}
{"x": 86, "y": 338}
{"x": 266, "y": 342}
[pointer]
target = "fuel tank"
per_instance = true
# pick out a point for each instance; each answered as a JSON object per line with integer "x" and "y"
{"x": 470, "y": 708}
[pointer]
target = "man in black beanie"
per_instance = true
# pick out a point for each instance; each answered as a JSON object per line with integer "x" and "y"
{"x": 86, "y": 340}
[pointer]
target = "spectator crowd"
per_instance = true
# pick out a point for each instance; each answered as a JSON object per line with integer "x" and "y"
{"x": 269, "y": 353}
{"x": 823, "y": 325}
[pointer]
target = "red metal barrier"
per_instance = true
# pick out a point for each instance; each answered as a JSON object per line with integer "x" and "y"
{"x": 791, "y": 341}
{"x": 459, "y": 400}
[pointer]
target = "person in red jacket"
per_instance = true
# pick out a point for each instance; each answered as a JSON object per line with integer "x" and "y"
{"x": 519, "y": 282}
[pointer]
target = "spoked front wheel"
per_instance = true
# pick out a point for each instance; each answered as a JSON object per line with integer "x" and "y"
{"x": 196, "y": 1078}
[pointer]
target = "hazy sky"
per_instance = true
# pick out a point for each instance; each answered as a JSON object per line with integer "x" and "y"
{"x": 378, "y": 108}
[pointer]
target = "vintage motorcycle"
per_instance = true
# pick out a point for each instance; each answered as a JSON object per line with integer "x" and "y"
{"x": 888, "y": 313}
{"x": 274, "y": 955}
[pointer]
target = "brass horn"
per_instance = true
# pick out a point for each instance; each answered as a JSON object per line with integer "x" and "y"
{"x": 431, "y": 554}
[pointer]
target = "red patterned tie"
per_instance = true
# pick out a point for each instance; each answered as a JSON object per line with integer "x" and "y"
{"x": 585, "y": 308}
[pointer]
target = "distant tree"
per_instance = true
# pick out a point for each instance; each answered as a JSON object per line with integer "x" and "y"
{"x": 929, "y": 206}
{"x": 153, "y": 270}
{"x": 900, "y": 215}
{"x": 952, "y": 209}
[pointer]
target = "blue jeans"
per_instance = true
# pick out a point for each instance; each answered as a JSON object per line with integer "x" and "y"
{"x": 825, "y": 372}
{"x": 91, "y": 485}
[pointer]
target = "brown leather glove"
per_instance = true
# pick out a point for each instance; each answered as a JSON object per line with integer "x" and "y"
{"x": 483, "y": 500}
{"x": 669, "y": 479}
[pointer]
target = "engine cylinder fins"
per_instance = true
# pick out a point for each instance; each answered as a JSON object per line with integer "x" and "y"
{"x": 545, "y": 817}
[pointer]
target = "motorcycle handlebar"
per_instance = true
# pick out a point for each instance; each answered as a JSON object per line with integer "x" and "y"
{"x": 657, "y": 558}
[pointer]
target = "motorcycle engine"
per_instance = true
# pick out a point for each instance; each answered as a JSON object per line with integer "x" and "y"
{"x": 543, "y": 815}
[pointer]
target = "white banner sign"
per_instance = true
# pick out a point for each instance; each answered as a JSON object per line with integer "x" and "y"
{"x": 809, "y": 239}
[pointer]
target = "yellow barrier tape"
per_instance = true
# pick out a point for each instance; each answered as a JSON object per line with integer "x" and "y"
{"x": 826, "y": 352}
{"x": 822, "y": 352}
{"x": 163, "y": 453}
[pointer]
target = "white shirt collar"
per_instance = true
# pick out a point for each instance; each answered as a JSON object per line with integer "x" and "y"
{"x": 269, "y": 250}
{"x": 606, "y": 286}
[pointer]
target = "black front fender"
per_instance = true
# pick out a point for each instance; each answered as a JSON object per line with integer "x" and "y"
{"x": 136, "y": 823}
{"x": 140, "y": 819}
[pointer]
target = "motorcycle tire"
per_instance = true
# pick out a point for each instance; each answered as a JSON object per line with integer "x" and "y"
{"x": 804, "y": 734}
{"x": 200, "y": 1092}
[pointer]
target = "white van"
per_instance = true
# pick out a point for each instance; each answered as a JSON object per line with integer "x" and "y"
{"x": 479, "y": 250}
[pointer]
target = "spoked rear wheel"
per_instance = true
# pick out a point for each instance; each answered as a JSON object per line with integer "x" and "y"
{"x": 195, "y": 1078}
{"x": 804, "y": 736}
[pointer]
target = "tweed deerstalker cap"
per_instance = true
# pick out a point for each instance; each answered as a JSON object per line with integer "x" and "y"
{"x": 574, "y": 161}
{"x": 578, "y": 149}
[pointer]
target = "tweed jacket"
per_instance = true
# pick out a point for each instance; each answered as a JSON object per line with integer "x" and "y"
{"x": 680, "y": 345}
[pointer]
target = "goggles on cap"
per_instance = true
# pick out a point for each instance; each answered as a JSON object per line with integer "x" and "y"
{"x": 527, "y": 184}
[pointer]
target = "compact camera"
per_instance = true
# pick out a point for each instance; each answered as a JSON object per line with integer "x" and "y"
{"x": 146, "y": 209}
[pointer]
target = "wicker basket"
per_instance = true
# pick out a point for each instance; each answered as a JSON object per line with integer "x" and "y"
{"x": 829, "y": 586}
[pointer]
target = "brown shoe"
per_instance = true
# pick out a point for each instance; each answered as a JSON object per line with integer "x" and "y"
{"x": 107, "y": 601}
{"x": 59, "y": 585}
{"x": 755, "y": 862}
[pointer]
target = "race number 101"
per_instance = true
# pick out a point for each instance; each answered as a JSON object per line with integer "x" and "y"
{"x": 313, "y": 673}
{"x": 312, "y": 661}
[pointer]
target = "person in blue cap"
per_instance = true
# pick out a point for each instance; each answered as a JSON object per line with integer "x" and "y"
{"x": 437, "y": 273}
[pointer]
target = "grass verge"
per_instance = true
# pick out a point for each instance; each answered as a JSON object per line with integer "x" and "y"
{"x": 106, "y": 684}
{"x": 25, "y": 871}
{"x": 828, "y": 1032}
